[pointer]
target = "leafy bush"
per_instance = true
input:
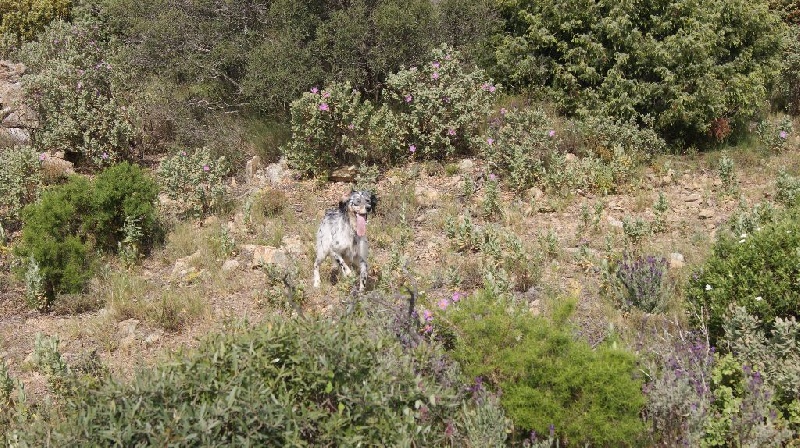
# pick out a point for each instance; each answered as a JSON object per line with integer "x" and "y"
{"x": 193, "y": 179}
{"x": 787, "y": 189}
{"x": 25, "y": 19}
{"x": 641, "y": 282}
{"x": 758, "y": 271}
{"x": 517, "y": 144}
{"x": 54, "y": 236}
{"x": 685, "y": 65}
{"x": 775, "y": 355}
{"x": 431, "y": 112}
{"x": 441, "y": 106}
{"x": 696, "y": 398}
{"x": 122, "y": 194}
{"x": 72, "y": 87}
{"x": 774, "y": 134}
{"x": 20, "y": 180}
{"x": 546, "y": 376}
{"x": 330, "y": 128}
{"x": 286, "y": 383}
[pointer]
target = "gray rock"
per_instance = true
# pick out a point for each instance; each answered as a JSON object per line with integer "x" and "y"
{"x": 230, "y": 265}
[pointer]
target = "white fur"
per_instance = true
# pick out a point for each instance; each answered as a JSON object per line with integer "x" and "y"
{"x": 337, "y": 236}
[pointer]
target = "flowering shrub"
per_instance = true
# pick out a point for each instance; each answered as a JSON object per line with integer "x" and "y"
{"x": 72, "y": 87}
{"x": 549, "y": 380}
{"x": 432, "y": 111}
{"x": 332, "y": 382}
{"x": 643, "y": 280}
{"x": 774, "y": 135}
{"x": 194, "y": 179}
{"x": 440, "y": 106}
{"x": 25, "y": 19}
{"x": 517, "y": 143}
{"x": 757, "y": 270}
{"x": 331, "y": 127}
{"x": 774, "y": 354}
{"x": 696, "y": 398}
{"x": 20, "y": 180}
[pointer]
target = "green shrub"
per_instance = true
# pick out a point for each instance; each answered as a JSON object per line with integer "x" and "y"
{"x": 20, "y": 180}
{"x": 686, "y": 65}
{"x": 517, "y": 144}
{"x": 440, "y": 105}
{"x": 54, "y": 236}
{"x": 758, "y": 271}
{"x": 774, "y": 354}
{"x": 547, "y": 377}
{"x": 72, "y": 86}
{"x": 25, "y": 19}
{"x": 330, "y": 128}
{"x": 121, "y": 194}
{"x": 194, "y": 179}
{"x": 288, "y": 382}
{"x": 787, "y": 189}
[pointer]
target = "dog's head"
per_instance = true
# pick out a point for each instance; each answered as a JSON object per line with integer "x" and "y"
{"x": 358, "y": 205}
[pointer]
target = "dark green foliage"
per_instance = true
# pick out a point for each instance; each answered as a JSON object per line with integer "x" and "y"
{"x": 686, "y": 64}
{"x": 20, "y": 179}
{"x": 759, "y": 271}
{"x": 54, "y": 235}
{"x": 288, "y": 382}
{"x": 62, "y": 230}
{"x": 122, "y": 192}
{"x": 547, "y": 376}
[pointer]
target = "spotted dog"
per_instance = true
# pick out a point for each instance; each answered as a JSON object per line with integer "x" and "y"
{"x": 343, "y": 235}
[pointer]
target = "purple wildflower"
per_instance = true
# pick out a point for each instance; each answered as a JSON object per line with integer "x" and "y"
{"x": 492, "y": 89}
{"x": 492, "y": 177}
{"x": 456, "y": 297}
{"x": 551, "y": 133}
{"x": 435, "y": 75}
{"x": 443, "y": 304}
{"x": 206, "y": 168}
{"x": 490, "y": 141}
{"x": 104, "y": 156}
{"x": 412, "y": 148}
{"x": 326, "y": 94}
{"x": 42, "y": 156}
{"x": 427, "y": 315}
{"x": 409, "y": 98}
{"x": 451, "y": 131}
{"x": 436, "y": 65}
{"x": 783, "y": 134}
{"x": 314, "y": 90}
{"x": 503, "y": 111}
{"x": 324, "y": 107}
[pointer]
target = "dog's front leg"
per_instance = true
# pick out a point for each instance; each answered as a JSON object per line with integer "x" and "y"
{"x": 363, "y": 268}
{"x": 346, "y": 271}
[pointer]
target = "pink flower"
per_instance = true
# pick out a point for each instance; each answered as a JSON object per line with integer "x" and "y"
{"x": 443, "y": 304}
{"x": 80, "y": 85}
{"x": 435, "y": 75}
{"x": 323, "y": 107}
{"x": 326, "y": 94}
{"x": 412, "y": 148}
{"x": 409, "y": 98}
{"x": 503, "y": 111}
{"x": 42, "y": 156}
{"x": 206, "y": 168}
{"x": 492, "y": 177}
{"x": 485, "y": 86}
{"x": 456, "y": 296}
{"x": 183, "y": 153}
{"x": 551, "y": 133}
{"x": 783, "y": 134}
{"x": 447, "y": 58}
{"x": 104, "y": 156}
{"x": 351, "y": 126}
{"x": 428, "y": 329}
{"x": 451, "y": 132}
{"x": 490, "y": 141}
{"x": 427, "y": 315}
{"x": 436, "y": 65}
{"x": 492, "y": 89}
{"x": 314, "y": 90}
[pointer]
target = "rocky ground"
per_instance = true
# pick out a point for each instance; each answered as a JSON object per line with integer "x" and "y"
{"x": 190, "y": 287}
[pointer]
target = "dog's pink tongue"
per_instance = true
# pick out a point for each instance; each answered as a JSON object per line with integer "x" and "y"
{"x": 361, "y": 225}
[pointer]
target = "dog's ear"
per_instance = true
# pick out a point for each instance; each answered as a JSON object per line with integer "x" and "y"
{"x": 343, "y": 201}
